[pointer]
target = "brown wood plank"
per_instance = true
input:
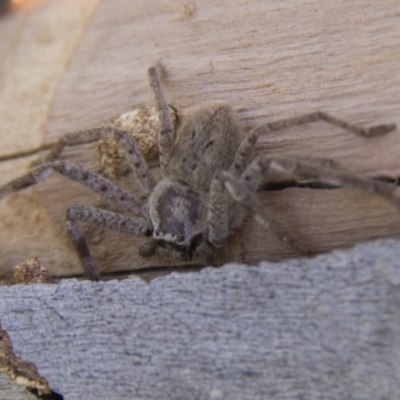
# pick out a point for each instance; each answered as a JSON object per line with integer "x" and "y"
{"x": 270, "y": 60}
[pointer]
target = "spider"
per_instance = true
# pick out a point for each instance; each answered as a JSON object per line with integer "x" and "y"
{"x": 209, "y": 181}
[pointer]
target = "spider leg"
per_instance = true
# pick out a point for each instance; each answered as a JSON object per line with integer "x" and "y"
{"x": 322, "y": 116}
{"x": 124, "y": 140}
{"x": 166, "y": 135}
{"x": 108, "y": 190}
{"x": 301, "y": 170}
{"x": 205, "y": 252}
{"x": 246, "y": 147}
{"x": 134, "y": 157}
{"x": 82, "y": 250}
{"x": 103, "y": 218}
{"x": 240, "y": 193}
{"x": 217, "y": 215}
{"x": 243, "y": 154}
{"x": 72, "y": 139}
{"x": 148, "y": 247}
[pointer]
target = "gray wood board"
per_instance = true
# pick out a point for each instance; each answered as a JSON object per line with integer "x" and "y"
{"x": 9, "y": 390}
{"x": 322, "y": 328}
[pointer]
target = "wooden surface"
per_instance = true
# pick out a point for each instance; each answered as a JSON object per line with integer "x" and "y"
{"x": 11, "y": 391}
{"x": 326, "y": 328}
{"x": 66, "y": 66}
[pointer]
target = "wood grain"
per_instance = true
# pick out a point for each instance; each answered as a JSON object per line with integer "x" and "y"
{"x": 326, "y": 328}
{"x": 270, "y": 60}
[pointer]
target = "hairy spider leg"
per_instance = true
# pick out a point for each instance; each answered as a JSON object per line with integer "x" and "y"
{"x": 108, "y": 190}
{"x": 322, "y": 116}
{"x": 301, "y": 170}
{"x": 106, "y": 219}
{"x": 166, "y": 135}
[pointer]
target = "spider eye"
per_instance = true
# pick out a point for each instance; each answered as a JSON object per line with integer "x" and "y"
{"x": 148, "y": 233}
{"x": 180, "y": 238}
{"x": 156, "y": 232}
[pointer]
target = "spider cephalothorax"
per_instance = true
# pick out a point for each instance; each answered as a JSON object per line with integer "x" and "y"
{"x": 178, "y": 214}
{"x": 209, "y": 181}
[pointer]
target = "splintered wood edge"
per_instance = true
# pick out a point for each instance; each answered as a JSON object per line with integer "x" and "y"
{"x": 21, "y": 372}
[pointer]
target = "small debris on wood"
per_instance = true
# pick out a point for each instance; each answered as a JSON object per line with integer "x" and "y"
{"x": 31, "y": 271}
{"x": 187, "y": 9}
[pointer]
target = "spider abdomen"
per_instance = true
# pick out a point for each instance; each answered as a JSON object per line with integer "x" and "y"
{"x": 206, "y": 143}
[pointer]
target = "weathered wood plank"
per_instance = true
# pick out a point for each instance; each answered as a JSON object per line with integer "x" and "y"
{"x": 9, "y": 390}
{"x": 326, "y": 328}
{"x": 270, "y": 60}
